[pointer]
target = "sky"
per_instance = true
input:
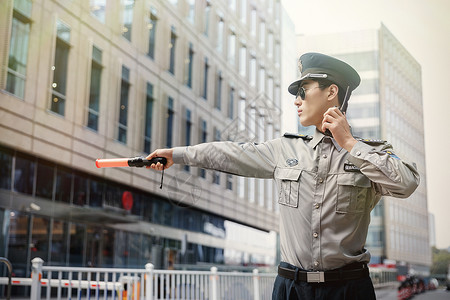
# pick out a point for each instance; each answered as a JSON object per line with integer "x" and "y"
{"x": 423, "y": 28}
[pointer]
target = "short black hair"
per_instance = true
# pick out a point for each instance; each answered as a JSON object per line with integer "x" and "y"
{"x": 324, "y": 83}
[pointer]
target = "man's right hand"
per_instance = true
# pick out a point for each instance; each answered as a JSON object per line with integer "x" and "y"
{"x": 166, "y": 153}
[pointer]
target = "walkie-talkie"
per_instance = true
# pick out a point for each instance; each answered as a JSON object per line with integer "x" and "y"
{"x": 343, "y": 105}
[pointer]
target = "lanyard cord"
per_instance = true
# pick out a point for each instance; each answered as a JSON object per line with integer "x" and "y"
{"x": 162, "y": 177}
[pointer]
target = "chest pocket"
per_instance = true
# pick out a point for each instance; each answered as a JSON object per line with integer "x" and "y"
{"x": 353, "y": 191}
{"x": 288, "y": 181}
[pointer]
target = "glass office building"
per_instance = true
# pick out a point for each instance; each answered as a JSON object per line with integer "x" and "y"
{"x": 82, "y": 80}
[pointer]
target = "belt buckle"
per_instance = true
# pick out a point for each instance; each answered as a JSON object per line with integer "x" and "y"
{"x": 315, "y": 276}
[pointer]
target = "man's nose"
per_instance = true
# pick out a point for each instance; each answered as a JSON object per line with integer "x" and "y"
{"x": 298, "y": 101}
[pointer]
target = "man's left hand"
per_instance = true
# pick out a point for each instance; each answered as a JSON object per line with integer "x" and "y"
{"x": 336, "y": 122}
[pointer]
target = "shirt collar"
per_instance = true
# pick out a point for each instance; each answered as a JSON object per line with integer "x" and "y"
{"x": 319, "y": 136}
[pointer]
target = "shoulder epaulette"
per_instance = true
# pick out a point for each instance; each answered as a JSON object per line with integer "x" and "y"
{"x": 296, "y": 136}
{"x": 371, "y": 141}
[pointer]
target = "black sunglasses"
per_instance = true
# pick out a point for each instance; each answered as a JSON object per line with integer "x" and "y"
{"x": 302, "y": 91}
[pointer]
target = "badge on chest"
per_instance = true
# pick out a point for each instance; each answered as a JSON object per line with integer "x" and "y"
{"x": 349, "y": 167}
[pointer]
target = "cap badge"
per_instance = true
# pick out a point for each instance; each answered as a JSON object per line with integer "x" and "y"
{"x": 300, "y": 66}
{"x": 291, "y": 162}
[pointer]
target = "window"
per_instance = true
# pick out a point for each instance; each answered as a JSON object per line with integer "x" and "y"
{"x": 172, "y": 44}
{"x": 262, "y": 80}
{"x": 18, "y": 48}
{"x": 123, "y": 108}
{"x": 251, "y": 189}
{"x": 220, "y": 29}
{"x": 77, "y": 243}
{"x": 59, "y": 69}
{"x": 44, "y": 180}
{"x": 5, "y": 171}
{"x": 205, "y": 79}
{"x": 94, "y": 92}
{"x": 63, "y": 187}
{"x": 203, "y": 139}
{"x": 170, "y": 113}
{"x": 148, "y": 118}
{"x": 367, "y": 86}
{"x": 207, "y": 17}
{"x": 241, "y": 186}
{"x": 361, "y": 61}
{"x": 96, "y": 193}
{"x": 229, "y": 182}
{"x": 262, "y": 34}
{"x": 243, "y": 61}
{"x": 191, "y": 13}
{"x": 128, "y": 6}
{"x": 188, "y": 66}
{"x": 218, "y": 99}
{"x": 252, "y": 73}
{"x": 80, "y": 184}
{"x": 152, "y": 21}
{"x": 253, "y": 21}
{"x": 270, "y": 88}
{"x": 188, "y": 128}
{"x": 98, "y": 8}
{"x": 270, "y": 44}
{"x": 244, "y": 11}
{"x": 232, "y": 48}
{"x": 58, "y": 243}
{"x": 18, "y": 242}
{"x": 261, "y": 194}
{"x": 216, "y": 174}
{"x": 231, "y": 104}
{"x": 277, "y": 54}
{"x": 24, "y": 174}
{"x": 40, "y": 233}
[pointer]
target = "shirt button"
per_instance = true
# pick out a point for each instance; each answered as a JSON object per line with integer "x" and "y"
{"x": 324, "y": 156}
{"x": 315, "y": 234}
{"x": 320, "y": 180}
{"x": 316, "y": 263}
{"x": 316, "y": 205}
{"x": 358, "y": 153}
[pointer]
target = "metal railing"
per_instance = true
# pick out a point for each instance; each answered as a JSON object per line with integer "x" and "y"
{"x": 9, "y": 266}
{"x": 52, "y": 282}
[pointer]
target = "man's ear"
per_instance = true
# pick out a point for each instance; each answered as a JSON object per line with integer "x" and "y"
{"x": 333, "y": 92}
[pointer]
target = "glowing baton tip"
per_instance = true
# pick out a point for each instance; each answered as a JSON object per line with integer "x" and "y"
{"x": 111, "y": 162}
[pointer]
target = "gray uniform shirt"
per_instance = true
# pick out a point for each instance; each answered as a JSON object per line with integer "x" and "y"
{"x": 325, "y": 193}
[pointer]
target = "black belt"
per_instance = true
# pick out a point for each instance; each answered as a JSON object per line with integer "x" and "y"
{"x": 345, "y": 273}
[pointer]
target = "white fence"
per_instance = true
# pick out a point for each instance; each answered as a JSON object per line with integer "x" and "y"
{"x": 51, "y": 282}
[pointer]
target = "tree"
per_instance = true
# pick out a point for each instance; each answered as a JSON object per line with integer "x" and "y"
{"x": 441, "y": 261}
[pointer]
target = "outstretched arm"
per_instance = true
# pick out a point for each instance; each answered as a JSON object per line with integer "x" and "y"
{"x": 244, "y": 159}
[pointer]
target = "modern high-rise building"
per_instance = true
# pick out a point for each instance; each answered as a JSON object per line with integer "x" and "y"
{"x": 81, "y": 80}
{"x": 387, "y": 105}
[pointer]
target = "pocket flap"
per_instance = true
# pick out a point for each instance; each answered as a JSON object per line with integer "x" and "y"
{"x": 287, "y": 174}
{"x": 354, "y": 180}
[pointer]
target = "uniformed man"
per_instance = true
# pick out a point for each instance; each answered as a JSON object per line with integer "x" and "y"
{"x": 328, "y": 184}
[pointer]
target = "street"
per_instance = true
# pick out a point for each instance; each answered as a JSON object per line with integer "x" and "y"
{"x": 391, "y": 294}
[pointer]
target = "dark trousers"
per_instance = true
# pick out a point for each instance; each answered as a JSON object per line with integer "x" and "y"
{"x": 355, "y": 289}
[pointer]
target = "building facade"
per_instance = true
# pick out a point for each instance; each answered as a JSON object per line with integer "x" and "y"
{"x": 88, "y": 79}
{"x": 387, "y": 105}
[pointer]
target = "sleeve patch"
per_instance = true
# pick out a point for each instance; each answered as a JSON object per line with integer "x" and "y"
{"x": 391, "y": 154}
